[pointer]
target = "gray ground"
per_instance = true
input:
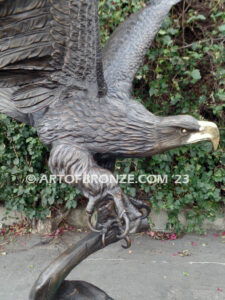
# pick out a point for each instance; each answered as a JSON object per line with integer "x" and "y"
{"x": 150, "y": 269}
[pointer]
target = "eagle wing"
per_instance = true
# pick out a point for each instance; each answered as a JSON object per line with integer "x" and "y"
{"x": 126, "y": 48}
{"x": 48, "y": 50}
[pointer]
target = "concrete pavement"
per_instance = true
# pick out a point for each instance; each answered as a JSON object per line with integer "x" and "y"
{"x": 192, "y": 267}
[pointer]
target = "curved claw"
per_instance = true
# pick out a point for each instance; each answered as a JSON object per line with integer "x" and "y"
{"x": 128, "y": 241}
{"x": 127, "y": 226}
{"x": 139, "y": 204}
{"x": 90, "y": 224}
{"x": 103, "y": 240}
{"x": 147, "y": 213}
{"x": 136, "y": 225}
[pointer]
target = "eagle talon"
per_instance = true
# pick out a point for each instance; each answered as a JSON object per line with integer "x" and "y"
{"x": 147, "y": 213}
{"x": 103, "y": 240}
{"x": 90, "y": 224}
{"x": 128, "y": 241}
{"x": 127, "y": 226}
{"x": 141, "y": 205}
{"x": 106, "y": 227}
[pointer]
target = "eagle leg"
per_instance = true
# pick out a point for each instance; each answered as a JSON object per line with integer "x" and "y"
{"x": 76, "y": 163}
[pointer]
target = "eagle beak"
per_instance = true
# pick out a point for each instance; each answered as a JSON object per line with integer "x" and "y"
{"x": 208, "y": 132}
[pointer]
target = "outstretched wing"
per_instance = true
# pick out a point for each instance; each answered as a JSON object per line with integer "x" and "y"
{"x": 49, "y": 48}
{"x": 126, "y": 48}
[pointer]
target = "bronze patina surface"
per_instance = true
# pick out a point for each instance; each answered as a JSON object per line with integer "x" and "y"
{"x": 55, "y": 77}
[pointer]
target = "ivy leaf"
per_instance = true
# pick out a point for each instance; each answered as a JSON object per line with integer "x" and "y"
{"x": 196, "y": 75}
{"x": 196, "y": 18}
{"x": 16, "y": 161}
{"x": 222, "y": 28}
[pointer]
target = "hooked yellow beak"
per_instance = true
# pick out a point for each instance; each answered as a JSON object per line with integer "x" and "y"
{"x": 208, "y": 132}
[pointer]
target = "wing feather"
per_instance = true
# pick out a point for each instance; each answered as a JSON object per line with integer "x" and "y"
{"x": 126, "y": 48}
{"x": 8, "y": 8}
{"x": 83, "y": 60}
{"x": 56, "y": 43}
{"x": 7, "y": 106}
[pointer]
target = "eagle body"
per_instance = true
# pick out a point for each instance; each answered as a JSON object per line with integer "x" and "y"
{"x": 108, "y": 126}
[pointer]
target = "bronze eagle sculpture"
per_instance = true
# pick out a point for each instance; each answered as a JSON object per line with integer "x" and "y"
{"x": 55, "y": 77}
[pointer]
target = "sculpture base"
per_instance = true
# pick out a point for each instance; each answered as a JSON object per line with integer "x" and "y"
{"x": 80, "y": 290}
{"x": 51, "y": 284}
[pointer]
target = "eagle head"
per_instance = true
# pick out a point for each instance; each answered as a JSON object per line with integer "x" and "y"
{"x": 175, "y": 131}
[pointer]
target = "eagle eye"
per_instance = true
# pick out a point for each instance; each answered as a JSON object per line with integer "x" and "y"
{"x": 184, "y": 131}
